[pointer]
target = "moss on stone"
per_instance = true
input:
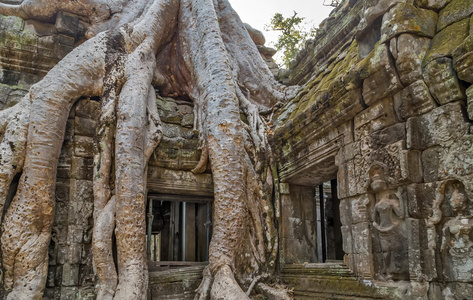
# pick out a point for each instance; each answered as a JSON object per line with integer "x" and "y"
{"x": 455, "y": 11}
{"x": 445, "y": 42}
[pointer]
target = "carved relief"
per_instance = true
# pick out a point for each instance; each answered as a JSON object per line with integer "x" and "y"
{"x": 452, "y": 220}
{"x": 387, "y": 215}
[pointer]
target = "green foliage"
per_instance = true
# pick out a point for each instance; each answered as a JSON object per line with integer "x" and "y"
{"x": 293, "y": 35}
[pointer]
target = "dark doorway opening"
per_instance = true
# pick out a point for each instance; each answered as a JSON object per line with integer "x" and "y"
{"x": 179, "y": 228}
{"x": 329, "y": 233}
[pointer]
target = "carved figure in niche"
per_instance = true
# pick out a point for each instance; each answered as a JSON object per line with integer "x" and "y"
{"x": 387, "y": 214}
{"x": 457, "y": 237}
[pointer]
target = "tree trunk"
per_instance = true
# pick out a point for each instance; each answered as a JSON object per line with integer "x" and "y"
{"x": 198, "y": 49}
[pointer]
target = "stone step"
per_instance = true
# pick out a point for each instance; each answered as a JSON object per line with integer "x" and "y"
{"x": 331, "y": 280}
{"x": 177, "y": 283}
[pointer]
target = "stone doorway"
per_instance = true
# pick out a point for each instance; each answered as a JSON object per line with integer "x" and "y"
{"x": 179, "y": 228}
{"x": 329, "y": 233}
{"x": 311, "y": 224}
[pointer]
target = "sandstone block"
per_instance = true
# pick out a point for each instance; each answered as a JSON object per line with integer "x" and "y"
{"x": 354, "y": 186}
{"x": 463, "y": 60}
{"x": 74, "y": 252}
{"x": 359, "y": 209}
{"x": 15, "y": 96}
{"x": 51, "y": 275}
{"x": 457, "y": 161}
{"x": 67, "y": 23}
{"x": 39, "y": 28}
{"x": 406, "y": 18}
{"x": 4, "y": 92}
{"x": 60, "y": 224}
{"x": 82, "y": 168}
{"x": 414, "y": 257}
{"x": 69, "y": 293}
{"x": 374, "y": 118}
{"x": 384, "y": 137}
{"x": 347, "y": 153}
{"x": 469, "y": 94}
{"x": 364, "y": 265}
{"x": 442, "y": 126}
{"x": 342, "y": 181}
{"x": 85, "y": 126}
{"x": 86, "y": 108}
{"x": 84, "y": 146}
{"x": 382, "y": 83}
{"x": 411, "y": 50}
{"x": 362, "y": 242}
{"x": 432, "y": 4}
{"x": 410, "y": 166}
{"x": 414, "y": 100}
{"x": 284, "y": 188}
{"x": 442, "y": 81}
{"x": 70, "y": 276}
{"x": 79, "y": 214}
{"x": 431, "y": 163}
{"x": 81, "y": 191}
{"x": 446, "y": 41}
{"x": 347, "y": 239}
{"x": 420, "y": 198}
{"x": 345, "y": 212}
{"x": 455, "y": 11}
{"x": 62, "y": 190}
{"x": 375, "y": 88}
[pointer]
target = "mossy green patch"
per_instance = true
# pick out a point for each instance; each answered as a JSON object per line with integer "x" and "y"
{"x": 446, "y": 41}
{"x": 455, "y": 11}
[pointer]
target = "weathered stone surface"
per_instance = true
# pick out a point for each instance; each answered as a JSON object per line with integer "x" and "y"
{"x": 362, "y": 243}
{"x": 463, "y": 60}
{"x": 372, "y": 10}
{"x": 70, "y": 276}
{"x": 406, "y": 18}
{"x": 84, "y": 146}
{"x": 347, "y": 153}
{"x": 447, "y": 40}
{"x": 384, "y": 137}
{"x": 86, "y": 108}
{"x": 469, "y": 94}
{"x": 256, "y": 35}
{"x": 432, "y": 4}
{"x": 67, "y": 23}
{"x": 377, "y": 117}
{"x": 85, "y": 126}
{"x": 39, "y": 28}
{"x": 442, "y": 126}
{"x": 414, "y": 100}
{"x": 383, "y": 80}
{"x": 347, "y": 239}
{"x": 420, "y": 199}
{"x": 442, "y": 81}
{"x": 410, "y": 51}
{"x": 455, "y": 11}
{"x": 4, "y": 92}
{"x": 457, "y": 161}
{"x": 82, "y": 168}
{"x": 359, "y": 209}
{"x": 81, "y": 191}
{"x": 431, "y": 163}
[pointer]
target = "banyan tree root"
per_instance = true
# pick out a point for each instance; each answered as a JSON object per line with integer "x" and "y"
{"x": 191, "y": 49}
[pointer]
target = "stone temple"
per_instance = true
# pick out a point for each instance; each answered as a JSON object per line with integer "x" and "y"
{"x": 374, "y": 158}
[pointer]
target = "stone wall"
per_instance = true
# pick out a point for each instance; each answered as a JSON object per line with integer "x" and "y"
{"x": 389, "y": 112}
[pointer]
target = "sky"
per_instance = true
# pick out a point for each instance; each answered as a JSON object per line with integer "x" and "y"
{"x": 258, "y": 13}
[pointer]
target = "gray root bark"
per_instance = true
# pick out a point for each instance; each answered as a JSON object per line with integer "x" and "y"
{"x": 213, "y": 62}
